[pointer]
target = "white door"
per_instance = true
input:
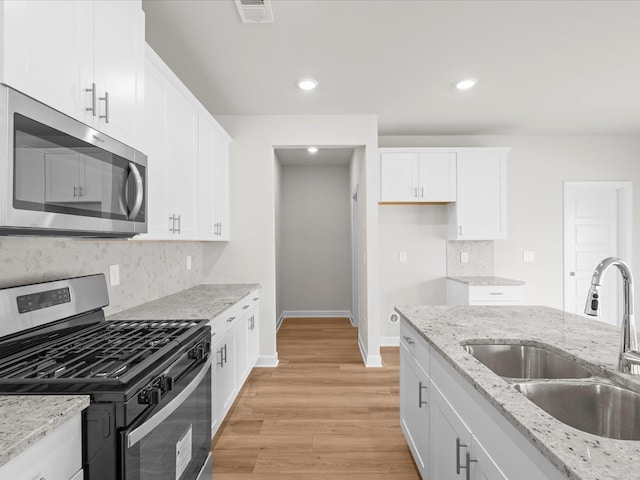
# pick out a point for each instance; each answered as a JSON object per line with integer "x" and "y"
{"x": 593, "y": 230}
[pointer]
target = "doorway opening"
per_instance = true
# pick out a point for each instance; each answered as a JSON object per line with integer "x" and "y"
{"x": 597, "y": 224}
{"x": 316, "y": 252}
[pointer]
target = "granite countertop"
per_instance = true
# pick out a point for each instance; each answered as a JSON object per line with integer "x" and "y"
{"x": 487, "y": 281}
{"x": 578, "y": 455}
{"x": 25, "y": 419}
{"x": 203, "y": 302}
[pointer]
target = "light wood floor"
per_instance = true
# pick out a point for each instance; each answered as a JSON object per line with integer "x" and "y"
{"x": 319, "y": 415}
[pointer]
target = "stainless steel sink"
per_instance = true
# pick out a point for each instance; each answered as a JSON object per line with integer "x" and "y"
{"x": 597, "y": 408}
{"x": 526, "y": 361}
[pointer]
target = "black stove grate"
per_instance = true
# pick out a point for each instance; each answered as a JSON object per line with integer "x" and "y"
{"x": 113, "y": 351}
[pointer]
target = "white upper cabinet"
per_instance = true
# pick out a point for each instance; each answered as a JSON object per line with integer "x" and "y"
{"x": 188, "y": 161}
{"x": 57, "y": 51}
{"x": 213, "y": 165}
{"x": 417, "y": 176}
{"x": 480, "y": 212}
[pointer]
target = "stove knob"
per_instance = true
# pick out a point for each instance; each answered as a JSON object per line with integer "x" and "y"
{"x": 150, "y": 396}
{"x": 167, "y": 384}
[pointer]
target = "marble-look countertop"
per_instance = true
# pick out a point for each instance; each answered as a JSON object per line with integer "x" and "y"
{"x": 203, "y": 302}
{"x": 578, "y": 455}
{"x": 25, "y": 419}
{"x": 487, "y": 281}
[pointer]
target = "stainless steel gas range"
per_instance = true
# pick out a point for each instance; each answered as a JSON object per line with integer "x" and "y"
{"x": 149, "y": 381}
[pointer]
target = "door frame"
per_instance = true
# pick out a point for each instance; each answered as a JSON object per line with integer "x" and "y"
{"x": 355, "y": 251}
{"x": 625, "y": 222}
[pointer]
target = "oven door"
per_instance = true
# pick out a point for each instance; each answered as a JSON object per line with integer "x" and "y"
{"x": 174, "y": 442}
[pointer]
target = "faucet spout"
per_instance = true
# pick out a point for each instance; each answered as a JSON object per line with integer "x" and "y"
{"x": 629, "y": 358}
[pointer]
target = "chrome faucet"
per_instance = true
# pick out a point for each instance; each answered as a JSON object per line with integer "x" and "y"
{"x": 629, "y": 357}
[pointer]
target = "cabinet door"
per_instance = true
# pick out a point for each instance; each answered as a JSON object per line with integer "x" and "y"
{"x": 154, "y": 135}
{"x": 449, "y": 439}
{"x": 213, "y": 174}
{"x": 253, "y": 347}
{"x": 221, "y": 187}
{"x": 437, "y": 177}
{"x": 242, "y": 346}
{"x": 46, "y": 45}
{"x": 484, "y": 468}
{"x": 480, "y": 209}
{"x": 225, "y": 375}
{"x": 399, "y": 177}
{"x": 119, "y": 68}
{"x": 414, "y": 409}
{"x": 182, "y": 166}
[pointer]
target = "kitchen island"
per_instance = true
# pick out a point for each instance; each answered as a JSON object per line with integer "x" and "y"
{"x": 573, "y": 453}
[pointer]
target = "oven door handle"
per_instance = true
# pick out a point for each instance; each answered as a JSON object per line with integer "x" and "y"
{"x": 134, "y": 436}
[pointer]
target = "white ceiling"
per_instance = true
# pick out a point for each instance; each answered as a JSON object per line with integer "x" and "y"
{"x": 543, "y": 66}
{"x": 324, "y": 156}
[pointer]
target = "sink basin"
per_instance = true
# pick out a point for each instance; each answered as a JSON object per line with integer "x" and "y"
{"x": 597, "y": 408}
{"x": 526, "y": 361}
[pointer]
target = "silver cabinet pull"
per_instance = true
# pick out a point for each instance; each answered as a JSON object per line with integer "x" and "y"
{"x": 221, "y": 363}
{"x": 469, "y": 461}
{"x": 179, "y": 224}
{"x": 420, "y": 400}
{"x": 106, "y": 107}
{"x": 245, "y": 307}
{"x": 460, "y": 230}
{"x": 409, "y": 340}
{"x": 496, "y": 293}
{"x": 573, "y": 274}
{"x": 225, "y": 353}
{"x": 230, "y": 319}
{"x": 172, "y": 229}
{"x": 81, "y": 191}
{"x": 415, "y": 192}
{"x": 75, "y": 191}
{"x": 92, "y": 108}
{"x": 422, "y": 192}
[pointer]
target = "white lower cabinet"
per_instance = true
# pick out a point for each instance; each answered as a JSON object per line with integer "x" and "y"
{"x": 414, "y": 409}
{"x": 459, "y": 293}
{"x": 234, "y": 351}
{"x": 57, "y": 456}
{"x": 460, "y": 436}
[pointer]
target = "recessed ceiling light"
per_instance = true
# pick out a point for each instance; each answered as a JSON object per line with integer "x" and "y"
{"x": 312, "y": 149}
{"x": 466, "y": 84}
{"x": 307, "y": 84}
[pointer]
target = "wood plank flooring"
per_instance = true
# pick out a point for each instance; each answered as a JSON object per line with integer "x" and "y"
{"x": 319, "y": 415}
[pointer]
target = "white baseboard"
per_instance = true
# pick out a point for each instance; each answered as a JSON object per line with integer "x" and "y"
{"x": 369, "y": 360}
{"x": 389, "y": 341}
{"x": 267, "y": 361}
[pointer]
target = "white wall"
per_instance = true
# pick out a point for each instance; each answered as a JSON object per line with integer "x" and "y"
{"x": 251, "y": 255}
{"x": 316, "y": 238}
{"x": 421, "y": 232}
{"x": 277, "y": 180}
{"x": 537, "y": 166}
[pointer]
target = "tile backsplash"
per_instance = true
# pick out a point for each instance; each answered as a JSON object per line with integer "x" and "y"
{"x": 479, "y": 254}
{"x": 148, "y": 270}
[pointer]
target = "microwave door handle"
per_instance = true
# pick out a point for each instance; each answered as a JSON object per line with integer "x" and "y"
{"x": 138, "y": 433}
{"x": 139, "y": 191}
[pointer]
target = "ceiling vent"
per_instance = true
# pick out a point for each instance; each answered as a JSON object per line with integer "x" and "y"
{"x": 255, "y": 11}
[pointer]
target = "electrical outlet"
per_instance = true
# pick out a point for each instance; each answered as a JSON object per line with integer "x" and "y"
{"x": 464, "y": 257}
{"x": 528, "y": 256}
{"x": 403, "y": 256}
{"x": 188, "y": 262}
{"x": 114, "y": 275}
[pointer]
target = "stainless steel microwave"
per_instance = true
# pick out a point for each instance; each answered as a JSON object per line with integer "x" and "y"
{"x": 61, "y": 177}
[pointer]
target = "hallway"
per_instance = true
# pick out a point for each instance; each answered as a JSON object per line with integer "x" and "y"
{"x": 320, "y": 414}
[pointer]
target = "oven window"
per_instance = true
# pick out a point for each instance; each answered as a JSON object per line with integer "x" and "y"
{"x": 177, "y": 448}
{"x": 56, "y": 172}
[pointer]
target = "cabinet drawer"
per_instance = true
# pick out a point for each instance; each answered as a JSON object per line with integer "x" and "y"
{"x": 495, "y": 294}
{"x": 415, "y": 344}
